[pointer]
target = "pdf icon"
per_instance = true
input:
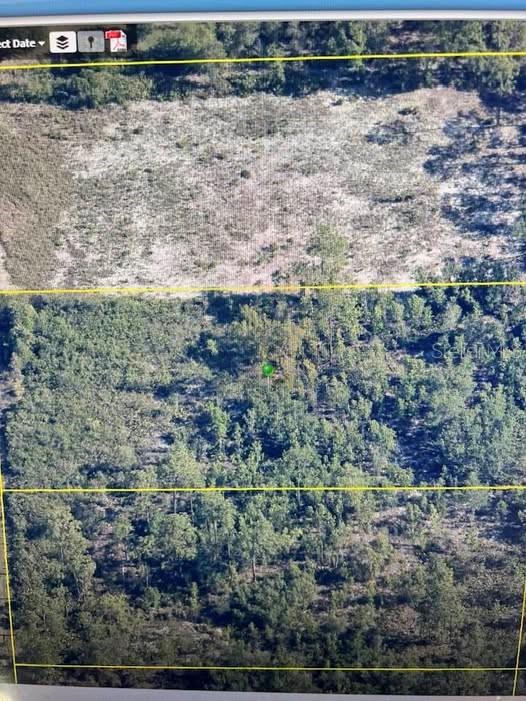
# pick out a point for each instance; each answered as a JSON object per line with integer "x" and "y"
{"x": 118, "y": 40}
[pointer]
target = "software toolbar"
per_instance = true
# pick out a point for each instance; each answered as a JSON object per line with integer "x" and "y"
{"x": 73, "y": 40}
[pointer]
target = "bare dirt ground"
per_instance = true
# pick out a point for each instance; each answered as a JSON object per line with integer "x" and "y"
{"x": 228, "y": 191}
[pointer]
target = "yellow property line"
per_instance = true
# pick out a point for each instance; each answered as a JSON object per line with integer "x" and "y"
{"x": 255, "y": 289}
{"x": 269, "y": 488}
{"x": 7, "y": 581}
{"x": 519, "y": 644}
{"x": 266, "y": 59}
{"x": 265, "y": 668}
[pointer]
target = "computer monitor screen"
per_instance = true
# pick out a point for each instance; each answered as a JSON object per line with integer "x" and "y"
{"x": 263, "y": 355}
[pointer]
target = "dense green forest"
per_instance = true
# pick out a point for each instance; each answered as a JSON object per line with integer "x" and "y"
{"x": 421, "y": 387}
{"x": 372, "y": 388}
{"x": 497, "y": 78}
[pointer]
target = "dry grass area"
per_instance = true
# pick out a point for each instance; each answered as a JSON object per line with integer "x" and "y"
{"x": 34, "y": 192}
{"x": 227, "y": 191}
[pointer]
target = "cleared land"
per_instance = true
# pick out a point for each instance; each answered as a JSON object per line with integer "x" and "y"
{"x": 228, "y": 191}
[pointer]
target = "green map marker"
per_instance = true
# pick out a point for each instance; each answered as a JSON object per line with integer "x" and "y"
{"x": 268, "y": 369}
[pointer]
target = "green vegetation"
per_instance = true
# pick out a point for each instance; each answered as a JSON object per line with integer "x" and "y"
{"x": 496, "y": 78}
{"x": 423, "y": 387}
{"x": 316, "y": 389}
{"x": 408, "y": 388}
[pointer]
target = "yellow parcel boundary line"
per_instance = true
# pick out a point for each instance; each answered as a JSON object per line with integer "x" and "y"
{"x": 7, "y": 582}
{"x": 249, "y": 60}
{"x": 267, "y": 59}
{"x": 159, "y": 668}
{"x": 264, "y": 668}
{"x": 257, "y": 289}
{"x": 289, "y": 288}
{"x": 519, "y": 643}
{"x": 269, "y": 488}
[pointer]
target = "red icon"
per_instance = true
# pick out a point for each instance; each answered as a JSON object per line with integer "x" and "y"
{"x": 118, "y": 40}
